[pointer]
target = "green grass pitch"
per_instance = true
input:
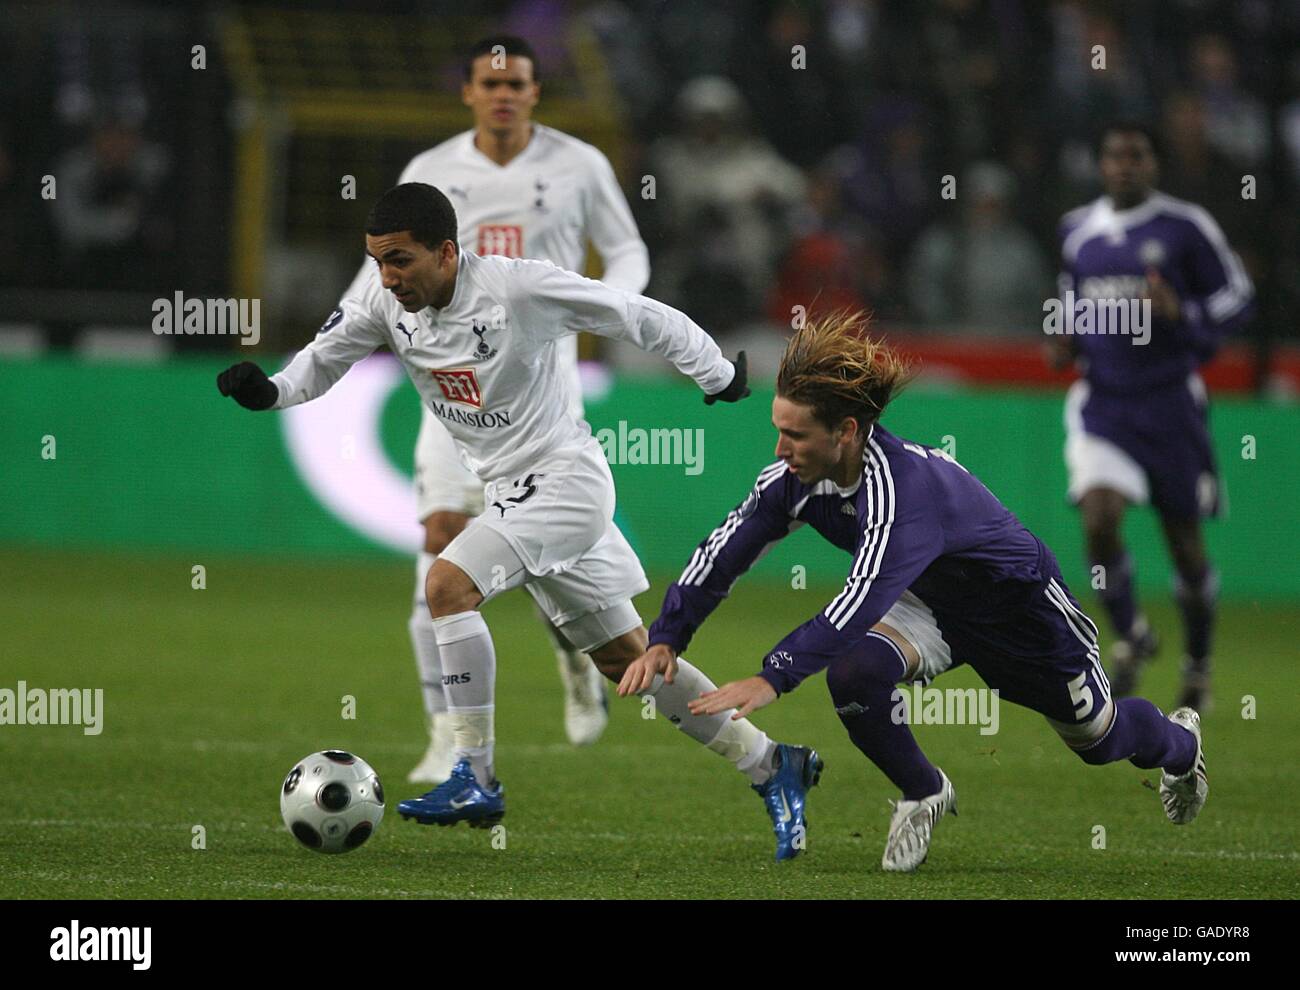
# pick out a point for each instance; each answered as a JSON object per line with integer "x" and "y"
{"x": 211, "y": 695}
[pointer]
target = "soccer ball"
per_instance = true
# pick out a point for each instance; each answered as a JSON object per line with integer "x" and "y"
{"x": 332, "y": 801}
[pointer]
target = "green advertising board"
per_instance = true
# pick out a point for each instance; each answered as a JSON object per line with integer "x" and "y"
{"x": 151, "y": 457}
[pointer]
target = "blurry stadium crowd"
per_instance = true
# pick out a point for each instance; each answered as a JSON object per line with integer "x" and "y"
{"x": 784, "y": 183}
{"x": 776, "y": 185}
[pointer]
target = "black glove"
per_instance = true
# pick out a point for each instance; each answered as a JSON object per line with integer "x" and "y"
{"x": 737, "y": 390}
{"x": 248, "y": 385}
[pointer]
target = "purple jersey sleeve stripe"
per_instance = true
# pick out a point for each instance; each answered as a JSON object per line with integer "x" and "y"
{"x": 1237, "y": 291}
{"x": 878, "y": 525}
{"x": 860, "y": 560}
{"x": 702, "y": 560}
{"x": 701, "y": 563}
{"x": 867, "y": 563}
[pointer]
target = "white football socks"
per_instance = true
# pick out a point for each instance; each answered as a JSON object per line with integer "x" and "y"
{"x": 425, "y": 643}
{"x": 739, "y": 741}
{"x": 469, "y": 668}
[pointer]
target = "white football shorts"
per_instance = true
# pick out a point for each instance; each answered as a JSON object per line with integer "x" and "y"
{"x": 1095, "y": 462}
{"x": 913, "y": 618}
{"x": 552, "y": 530}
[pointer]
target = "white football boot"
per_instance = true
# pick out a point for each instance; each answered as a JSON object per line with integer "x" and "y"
{"x": 1184, "y": 796}
{"x": 586, "y": 709}
{"x": 910, "y": 828}
{"x": 435, "y": 767}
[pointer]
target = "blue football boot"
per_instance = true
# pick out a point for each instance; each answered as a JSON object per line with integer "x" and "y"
{"x": 460, "y": 798}
{"x": 797, "y": 769}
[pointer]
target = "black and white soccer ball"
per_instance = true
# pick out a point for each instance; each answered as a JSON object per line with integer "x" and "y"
{"x": 332, "y": 801}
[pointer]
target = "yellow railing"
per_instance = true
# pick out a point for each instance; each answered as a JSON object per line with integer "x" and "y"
{"x": 307, "y": 76}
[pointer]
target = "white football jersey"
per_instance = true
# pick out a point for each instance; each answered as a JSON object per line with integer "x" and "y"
{"x": 545, "y": 204}
{"x": 487, "y": 364}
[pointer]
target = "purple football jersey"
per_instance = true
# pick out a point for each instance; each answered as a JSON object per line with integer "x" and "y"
{"x": 915, "y": 520}
{"x": 1106, "y": 254}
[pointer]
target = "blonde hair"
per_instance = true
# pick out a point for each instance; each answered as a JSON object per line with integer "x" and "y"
{"x": 832, "y": 365}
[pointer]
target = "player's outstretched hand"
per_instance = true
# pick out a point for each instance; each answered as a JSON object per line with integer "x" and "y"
{"x": 738, "y": 388}
{"x": 745, "y": 696}
{"x": 640, "y": 673}
{"x": 248, "y": 385}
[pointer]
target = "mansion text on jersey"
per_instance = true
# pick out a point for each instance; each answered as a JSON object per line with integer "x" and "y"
{"x": 485, "y": 420}
{"x": 1126, "y": 317}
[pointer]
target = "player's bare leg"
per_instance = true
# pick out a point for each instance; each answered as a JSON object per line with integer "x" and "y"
{"x": 1196, "y": 588}
{"x": 440, "y": 528}
{"x": 862, "y": 686}
{"x": 1102, "y": 510}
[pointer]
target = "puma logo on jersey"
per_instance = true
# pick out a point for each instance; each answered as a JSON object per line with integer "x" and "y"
{"x": 409, "y": 333}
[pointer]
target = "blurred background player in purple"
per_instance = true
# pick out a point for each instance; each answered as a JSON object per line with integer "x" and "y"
{"x": 1137, "y": 422}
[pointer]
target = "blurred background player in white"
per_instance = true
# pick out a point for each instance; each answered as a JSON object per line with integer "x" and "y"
{"x": 521, "y": 190}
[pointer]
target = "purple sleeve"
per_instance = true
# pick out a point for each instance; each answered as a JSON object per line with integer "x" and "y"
{"x": 902, "y": 536}
{"x": 1220, "y": 293}
{"x": 730, "y": 550}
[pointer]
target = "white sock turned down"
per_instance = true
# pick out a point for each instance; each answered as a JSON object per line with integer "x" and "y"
{"x": 738, "y": 741}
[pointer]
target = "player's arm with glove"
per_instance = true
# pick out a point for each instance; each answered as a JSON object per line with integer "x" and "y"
{"x": 351, "y": 333}
{"x": 548, "y": 302}
{"x": 248, "y": 385}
